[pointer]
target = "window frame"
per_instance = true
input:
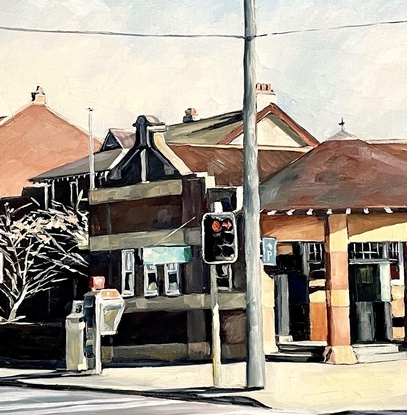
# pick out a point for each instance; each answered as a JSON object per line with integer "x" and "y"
{"x": 127, "y": 253}
{"x": 167, "y": 271}
{"x": 152, "y": 270}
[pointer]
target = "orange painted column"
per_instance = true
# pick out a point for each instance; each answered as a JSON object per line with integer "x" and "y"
{"x": 339, "y": 349}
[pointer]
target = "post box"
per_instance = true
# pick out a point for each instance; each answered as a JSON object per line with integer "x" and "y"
{"x": 103, "y": 310}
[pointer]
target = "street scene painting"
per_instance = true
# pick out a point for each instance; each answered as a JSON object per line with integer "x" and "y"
{"x": 203, "y": 207}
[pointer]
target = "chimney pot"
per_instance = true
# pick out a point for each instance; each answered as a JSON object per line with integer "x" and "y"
{"x": 265, "y": 95}
{"x": 38, "y": 97}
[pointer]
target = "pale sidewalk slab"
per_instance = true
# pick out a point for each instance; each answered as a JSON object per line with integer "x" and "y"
{"x": 10, "y": 372}
{"x": 298, "y": 387}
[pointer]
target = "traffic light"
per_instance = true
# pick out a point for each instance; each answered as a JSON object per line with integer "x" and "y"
{"x": 219, "y": 238}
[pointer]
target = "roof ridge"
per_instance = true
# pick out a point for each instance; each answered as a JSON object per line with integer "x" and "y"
{"x": 10, "y": 117}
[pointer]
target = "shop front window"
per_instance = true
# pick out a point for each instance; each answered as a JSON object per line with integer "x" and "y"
{"x": 390, "y": 253}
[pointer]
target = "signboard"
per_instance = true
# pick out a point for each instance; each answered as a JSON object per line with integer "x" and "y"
{"x": 269, "y": 246}
{"x": 166, "y": 254}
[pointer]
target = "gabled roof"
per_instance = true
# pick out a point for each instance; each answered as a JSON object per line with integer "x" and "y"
{"x": 225, "y": 163}
{"x": 34, "y": 140}
{"x": 281, "y": 119}
{"x": 338, "y": 174}
{"x": 208, "y": 131}
{"x": 224, "y": 128}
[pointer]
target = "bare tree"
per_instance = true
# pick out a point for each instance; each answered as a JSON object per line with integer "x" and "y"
{"x": 39, "y": 248}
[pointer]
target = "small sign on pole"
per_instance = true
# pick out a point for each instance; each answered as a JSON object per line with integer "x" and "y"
{"x": 269, "y": 251}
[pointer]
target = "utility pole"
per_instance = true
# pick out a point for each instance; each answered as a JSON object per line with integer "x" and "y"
{"x": 91, "y": 151}
{"x": 255, "y": 368}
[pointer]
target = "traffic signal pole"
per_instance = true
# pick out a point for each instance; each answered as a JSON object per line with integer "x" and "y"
{"x": 219, "y": 247}
{"x": 216, "y": 344}
{"x": 255, "y": 368}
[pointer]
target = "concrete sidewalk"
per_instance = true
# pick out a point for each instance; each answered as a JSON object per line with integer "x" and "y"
{"x": 296, "y": 387}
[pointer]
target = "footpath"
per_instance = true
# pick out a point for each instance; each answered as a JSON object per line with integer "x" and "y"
{"x": 304, "y": 388}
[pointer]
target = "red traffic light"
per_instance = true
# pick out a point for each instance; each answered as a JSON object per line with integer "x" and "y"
{"x": 219, "y": 238}
{"x": 216, "y": 226}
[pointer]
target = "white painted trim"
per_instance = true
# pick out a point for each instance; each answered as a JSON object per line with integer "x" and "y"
{"x": 166, "y": 151}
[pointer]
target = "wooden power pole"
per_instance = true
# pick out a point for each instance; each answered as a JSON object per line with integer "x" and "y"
{"x": 255, "y": 369}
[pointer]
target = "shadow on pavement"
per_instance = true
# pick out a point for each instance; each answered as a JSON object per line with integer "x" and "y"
{"x": 209, "y": 394}
{"x": 379, "y": 412}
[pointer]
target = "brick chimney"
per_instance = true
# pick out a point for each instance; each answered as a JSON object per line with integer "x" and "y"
{"x": 38, "y": 97}
{"x": 265, "y": 95}
{"x": 190, "y": 115}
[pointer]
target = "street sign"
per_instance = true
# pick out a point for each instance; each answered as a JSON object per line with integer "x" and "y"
{"x": 269, "y": 251}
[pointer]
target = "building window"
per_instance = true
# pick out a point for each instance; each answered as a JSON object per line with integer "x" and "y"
{"x": 316, "y": 252}
{"x": 127, "y": 273}
{"x": 171, "y": 275}
{"x": 366, "y": 251}
{"x": 380, "y": 252}
{"x": 150, "y": 280}
{"x": 394, "y": 251}
{"x": 314, "y": 260}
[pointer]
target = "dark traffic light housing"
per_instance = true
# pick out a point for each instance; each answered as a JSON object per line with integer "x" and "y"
{"x": 219, "y": 238}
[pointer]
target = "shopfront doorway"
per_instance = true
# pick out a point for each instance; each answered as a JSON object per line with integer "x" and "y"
{"x": 372, "y": 266}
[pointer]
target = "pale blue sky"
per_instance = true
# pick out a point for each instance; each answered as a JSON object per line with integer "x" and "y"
{"x": 319, "y": 77}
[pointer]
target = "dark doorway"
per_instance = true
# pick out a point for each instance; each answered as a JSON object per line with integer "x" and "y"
{"x": 370, "y": 316}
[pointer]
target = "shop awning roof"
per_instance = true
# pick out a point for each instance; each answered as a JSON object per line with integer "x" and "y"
{"x": 339, "y": 174}
{"x": 103, "y": 162}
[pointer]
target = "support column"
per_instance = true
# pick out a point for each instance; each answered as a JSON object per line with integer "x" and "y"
{"x": 339, "y": 349}
{"x": 269, "y": 332}
{"x": 282, "y": 308}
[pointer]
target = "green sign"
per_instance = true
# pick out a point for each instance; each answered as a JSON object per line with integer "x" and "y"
{"x": 166, "y": 254}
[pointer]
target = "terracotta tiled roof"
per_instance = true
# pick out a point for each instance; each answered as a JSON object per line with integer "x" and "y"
{"x": 35, "y": 140}
{"x": 226, "y": 162}
{"x": 398, "y": 149}
{"x": 339, "y": 174}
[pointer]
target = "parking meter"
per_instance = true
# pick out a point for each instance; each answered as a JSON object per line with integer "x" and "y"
{"x": 74, "y": 329}
{"x": 103, "y": 310}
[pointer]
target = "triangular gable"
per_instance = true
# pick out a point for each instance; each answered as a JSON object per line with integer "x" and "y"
{"x": 118, "y": 138}
{"x": 283, "y": 122}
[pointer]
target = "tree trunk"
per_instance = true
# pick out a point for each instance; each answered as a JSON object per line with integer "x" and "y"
{"x": 16, "y": 305}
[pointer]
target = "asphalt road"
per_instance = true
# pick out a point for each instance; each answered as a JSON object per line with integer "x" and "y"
{"x": 15, "y": 400}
